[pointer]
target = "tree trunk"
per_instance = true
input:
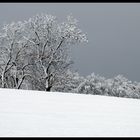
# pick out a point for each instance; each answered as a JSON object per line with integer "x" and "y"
{"x": 2, "y": 79}
{"x": 48, "y": 88}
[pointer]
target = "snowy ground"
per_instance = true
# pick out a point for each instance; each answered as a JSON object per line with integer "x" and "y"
{"x": 35, "y": 113}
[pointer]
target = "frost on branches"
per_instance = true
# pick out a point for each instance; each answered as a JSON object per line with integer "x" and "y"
{"x": 118, "y": 86}
{"x": 34, "y": 53}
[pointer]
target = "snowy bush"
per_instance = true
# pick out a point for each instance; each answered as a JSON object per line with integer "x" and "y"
{"x": 118, "y": 86}
{"x": 69, "y": 82}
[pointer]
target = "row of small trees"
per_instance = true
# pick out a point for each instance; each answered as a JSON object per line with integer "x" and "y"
{"x": 118, "y": 86}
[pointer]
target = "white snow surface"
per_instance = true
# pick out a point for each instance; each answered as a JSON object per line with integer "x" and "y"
{"x": 26, "y": 113}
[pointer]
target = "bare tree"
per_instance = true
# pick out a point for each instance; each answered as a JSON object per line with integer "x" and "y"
{"x": 51, "y": 42}
{"x": 14, "y": 56}
{"x": 38, "y": 51}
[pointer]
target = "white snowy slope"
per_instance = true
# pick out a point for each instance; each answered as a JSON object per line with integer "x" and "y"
{"x": 36, "y": 113}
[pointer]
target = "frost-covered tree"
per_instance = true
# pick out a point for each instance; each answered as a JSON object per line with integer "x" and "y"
{"x": 69, "y": 82}
{"x": 121, "y": 87}
{"x": 14, "y": 55}
{"x": 35, "y": 52}
{"x": 51, "y": 42}
{"x": 92, "y": 84}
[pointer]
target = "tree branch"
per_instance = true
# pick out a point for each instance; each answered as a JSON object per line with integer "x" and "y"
{"x": 23, "y": 77}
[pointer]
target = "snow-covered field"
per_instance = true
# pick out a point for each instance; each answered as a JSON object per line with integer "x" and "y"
{"x": 36, "y": 113}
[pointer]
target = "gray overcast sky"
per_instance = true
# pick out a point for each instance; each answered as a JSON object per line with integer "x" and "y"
{"x": 113, "y": 31}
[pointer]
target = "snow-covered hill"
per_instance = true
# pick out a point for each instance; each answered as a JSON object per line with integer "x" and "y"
{"x": 36, "y": 113}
